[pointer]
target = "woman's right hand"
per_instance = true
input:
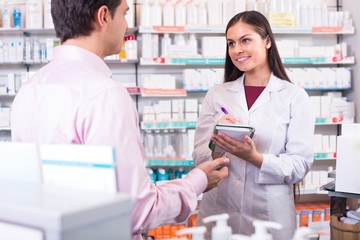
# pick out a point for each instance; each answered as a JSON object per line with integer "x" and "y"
{"x": 229, "y": 118}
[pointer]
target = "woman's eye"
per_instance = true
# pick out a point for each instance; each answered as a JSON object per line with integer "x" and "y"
{"x": 230, "y": 44}
{"x": 245, "y": 40}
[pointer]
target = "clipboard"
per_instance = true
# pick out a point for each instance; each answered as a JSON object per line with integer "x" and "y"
{"x": 235, "y": 131}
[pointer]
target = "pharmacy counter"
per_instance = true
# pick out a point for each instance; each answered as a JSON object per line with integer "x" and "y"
{"x": 37, "y": 212}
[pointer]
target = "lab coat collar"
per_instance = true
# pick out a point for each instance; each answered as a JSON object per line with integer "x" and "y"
{"x": 275, "y": 84}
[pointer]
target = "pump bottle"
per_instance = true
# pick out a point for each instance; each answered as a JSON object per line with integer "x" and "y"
{"x": 261, "y": 232}
{"x": 302, "y": 233}
{"x": 221, "y": 231}
{"x": 197, "y": 232}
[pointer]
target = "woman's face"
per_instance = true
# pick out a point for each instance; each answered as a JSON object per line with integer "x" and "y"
{"x": 247, "y": 50}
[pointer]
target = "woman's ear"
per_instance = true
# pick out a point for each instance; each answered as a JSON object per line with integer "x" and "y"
{"x": 267, "y": 42}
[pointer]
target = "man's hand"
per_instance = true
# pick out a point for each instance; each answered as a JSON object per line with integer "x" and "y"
{"x": 215, "y": 177}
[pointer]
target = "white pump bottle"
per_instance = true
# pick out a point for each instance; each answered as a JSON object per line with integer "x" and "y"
{"x": 221, "y": 231}
{"x": 302, "y": 233}
{"x": 196, "y": 232}
{"x": 261, "y": 232}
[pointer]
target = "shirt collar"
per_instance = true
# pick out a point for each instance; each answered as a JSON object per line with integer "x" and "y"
{"x": 71, "y": 52}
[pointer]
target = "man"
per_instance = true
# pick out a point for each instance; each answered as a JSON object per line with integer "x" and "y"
{"x": 74, "y": 100}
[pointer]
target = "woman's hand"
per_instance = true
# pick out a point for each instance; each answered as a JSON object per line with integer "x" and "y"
{"x": 229, "y": 118}
{"x": 245, "y": 150}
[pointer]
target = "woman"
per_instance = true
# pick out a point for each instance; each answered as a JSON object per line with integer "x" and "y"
{"x": 258, "y": 93}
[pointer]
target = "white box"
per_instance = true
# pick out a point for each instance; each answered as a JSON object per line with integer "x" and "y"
{"x": 315, "y": 102}
{"x": 191, "y": 105}
{"x": 146, "y": 45}
{"x": 318, "y": 143}
{"x": 348, "y": 164}
{"x": 325, "y": 106}
{"x": 4, "y": 117}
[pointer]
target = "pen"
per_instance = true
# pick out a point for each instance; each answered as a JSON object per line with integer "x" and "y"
{"x": 224, "y": 110}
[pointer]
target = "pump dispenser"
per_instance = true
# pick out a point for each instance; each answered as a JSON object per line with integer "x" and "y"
{"x": 261, "y": 232}
{"x": 197, "y": 232}
{"x": 302, "y": 233}
{"x": 221, "y": 231}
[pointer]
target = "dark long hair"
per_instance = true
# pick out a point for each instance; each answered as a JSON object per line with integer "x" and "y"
{"x": 262, "y": 27}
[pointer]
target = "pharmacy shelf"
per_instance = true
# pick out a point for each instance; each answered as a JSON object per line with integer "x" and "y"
{"x": 169, "y": 162}
{"x": 329, "y": 121}
{"x": 8, "y": 95}
{"x": 182, "y": 61}
{"x": 163, "y": 92}
{"x": 324, "y": 156}
{"x": 168, "y": 125}
{"x": 328, "y": 89}
{"x": 5, "y": 128}
{"x": 313, "y": 191}
{"x": 221, "y": 61}
{"x": 119, "y": 61}
{"x": 41, "y": 31}
{"x": 307, "y": 89}
{"x": 318, "y": 60}
{"x": 221, "y": 30}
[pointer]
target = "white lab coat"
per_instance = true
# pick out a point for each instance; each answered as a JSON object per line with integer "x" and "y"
{"x": 284, "y": 126}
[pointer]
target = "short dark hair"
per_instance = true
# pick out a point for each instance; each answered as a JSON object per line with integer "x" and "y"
{"x": 74, "y": 18}
{"x": 262, "y": 27}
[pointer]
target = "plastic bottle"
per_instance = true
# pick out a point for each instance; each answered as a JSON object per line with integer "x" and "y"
{"x": 148, "y": 144}
{"x": 156, "y": 13}
{"x": 131, "y": 48}
{"x": 12, "y": 52}
{"x": 36, "y": 50}
{"x": 6, "y": 17}
{"x": 1, "y": 52}
{"x": 221, "y": 231}
{"x": 145, "y": 14}
{"x": 19, "y": 52}
{"x": 178, "y": 173}
{"x": 239, "y": 237}
{"x": 180, "y": 14}
{"x": 261, "y": 232}
{"x": 302, "y": 233}
{"x": 17, "y": 18}
{"x": 191, "y": 13}
{"x": 193, "y": 43}
{"x": 202, "y": 14}
{"x": 196, "y": 232}
{"x": 152, "y": 175}
{"x": 228, "y": 11}
{"x": 215, "y": 12}
{"x": 162, "y": 176}
{"x": 165, "y": 45}
{"x": 184, "y": 173}
{"x": 168, "y": 14}
{"x": 34, "y": 14}
{"x": 158, "y": 146}
{"x": 6, "y": 52}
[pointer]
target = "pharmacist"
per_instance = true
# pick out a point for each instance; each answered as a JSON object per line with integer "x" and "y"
{"x": 73, "y": 99}
{"x": 258, "y": 93}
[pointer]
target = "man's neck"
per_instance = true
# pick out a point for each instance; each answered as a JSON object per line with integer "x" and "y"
{"x": 88, "y": 43}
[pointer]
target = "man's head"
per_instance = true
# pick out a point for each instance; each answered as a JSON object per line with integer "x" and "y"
{"x": 79, "y": 18}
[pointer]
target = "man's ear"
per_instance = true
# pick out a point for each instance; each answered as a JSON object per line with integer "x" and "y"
{"x": 102, "y": 17}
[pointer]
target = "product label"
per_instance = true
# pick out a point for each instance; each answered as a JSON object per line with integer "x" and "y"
{"x": 282, "y": 20}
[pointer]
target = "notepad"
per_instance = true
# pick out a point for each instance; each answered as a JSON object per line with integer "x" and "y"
{"x": 235, "y": 131}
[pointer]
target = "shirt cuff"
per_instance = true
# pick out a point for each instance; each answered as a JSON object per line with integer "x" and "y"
{"x": 198, "y": 177}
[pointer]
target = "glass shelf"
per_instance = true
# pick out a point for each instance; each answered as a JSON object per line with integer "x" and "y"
{"x": 169, "y": 162}
{"x": 169, "y": 125}
{"x": 221, "y": 30}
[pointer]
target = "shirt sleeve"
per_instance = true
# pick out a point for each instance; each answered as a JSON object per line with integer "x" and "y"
{"x": 111, "y": 118}
{"x": 204, "y": 129}
{"x": 292, "y": 166}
